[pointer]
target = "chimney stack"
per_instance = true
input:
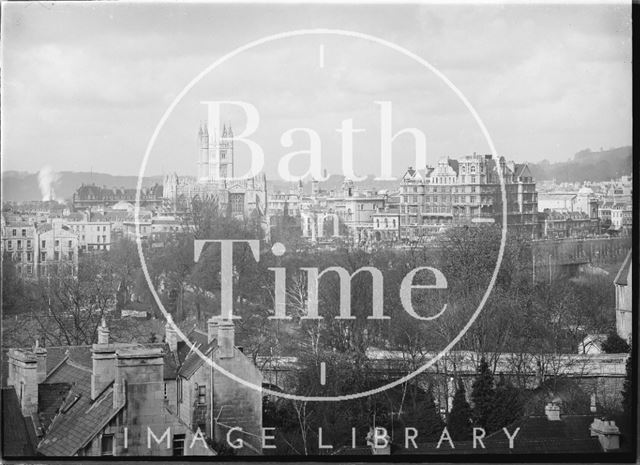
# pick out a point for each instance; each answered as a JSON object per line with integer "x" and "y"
{"x": 607, "y": 432}
{"x": 140, "y": 369}
{"x": 170, "y": 336}
{"x": 103, "y": 333}
{"x": 226, "y": 338}
{"x": 212, "y": 328}
{"x": 552, "y": 411}
{"x": 23, "y": 376}
{"x": 103, "y": 358}
{"x": 41, "y": 355}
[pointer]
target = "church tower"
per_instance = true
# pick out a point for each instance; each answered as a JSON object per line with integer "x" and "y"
{"x": 203, "y": 164}
{"x": 225, "y": 149}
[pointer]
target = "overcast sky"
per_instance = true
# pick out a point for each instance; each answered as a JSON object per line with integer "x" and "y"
{"x": 86, "y": 84}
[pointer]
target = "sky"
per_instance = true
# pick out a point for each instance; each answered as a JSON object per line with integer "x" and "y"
{"x": 84, "y": 85}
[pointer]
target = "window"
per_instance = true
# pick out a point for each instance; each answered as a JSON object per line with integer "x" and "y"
{"x": 70, "y": 255}
{"x": 29, "y": 257}
{"x": 106, "y": 446}
{"x": 56, "y": 255}
{"x": 237, "y": 204}
{"x": 28, "y": 243}
{"x": 57, "y": 243}
{"x": 202, "y": 394}
{"x": 14, "y": 232}
{"x": 19, "y": 244}
{"x": 43, "y": 256}
{"x": 164, "y": 391}
{"x": 178, "y": 445}
{"x": 104, "y": 228}
{"x": 70, "y": 244}
{"x": 24, "y": 233}
{"x": 10, "y": 244}
{"x": 44, "y": 244}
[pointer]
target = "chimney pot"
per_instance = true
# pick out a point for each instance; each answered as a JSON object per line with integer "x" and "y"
{"x": 552, "y": 411}
{"x": 212, "y": 328}
{"x": 170, "y": 336}
{"x": 103, "y": 333}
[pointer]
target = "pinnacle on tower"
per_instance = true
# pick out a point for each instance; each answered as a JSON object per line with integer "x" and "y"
{"x": 224, "y": 130}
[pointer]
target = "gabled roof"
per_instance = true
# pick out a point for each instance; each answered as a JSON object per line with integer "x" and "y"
{"x": 624, "y": 272}
{"x": 194, "y": 361}
{"x": 79, "y": 418}
{"x": 50, "y": 398}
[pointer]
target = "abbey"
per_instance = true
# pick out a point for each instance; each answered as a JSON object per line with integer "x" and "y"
{"x": 214, "y": 178}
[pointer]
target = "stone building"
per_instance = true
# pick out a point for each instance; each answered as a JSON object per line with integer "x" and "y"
{"x": 466, "y": 191}
{"x": 215, "y": 180}
{"x": 91, "y": 196}
{"x": 624, "y": 299}
{"x": 39, "y": 250}
{"x": 129, "y": 399}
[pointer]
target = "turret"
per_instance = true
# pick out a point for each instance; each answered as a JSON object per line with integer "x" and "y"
{"x": 203, "y": 165}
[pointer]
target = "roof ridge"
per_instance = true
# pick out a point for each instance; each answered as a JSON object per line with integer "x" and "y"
{"x": 78, "y": 366}
{"x": 624, "y": 266}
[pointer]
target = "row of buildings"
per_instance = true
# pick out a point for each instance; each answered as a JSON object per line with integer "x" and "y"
{"x": 427, "y": 201}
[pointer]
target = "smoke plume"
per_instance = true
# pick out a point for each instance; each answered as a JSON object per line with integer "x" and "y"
{"x": 46, "y": 178}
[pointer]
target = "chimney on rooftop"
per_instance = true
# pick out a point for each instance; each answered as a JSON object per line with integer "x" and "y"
{"x": 139, "y": 370}
{"x": 212, "y": 328}
{"x": 607, "y": 432}
{"x": 226, "y": 338}
{"x": 103, "y": 333}
{"x": 552, "y": 411}
{"x": 23, "y": 376}
{"x": 103, "y": 358}
{"x": 41, "y": 356}
{"x": 170, "y": 336}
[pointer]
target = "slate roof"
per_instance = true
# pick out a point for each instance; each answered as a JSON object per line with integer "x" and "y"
{"x": 80, "y": 355}
{"x": 18, "y": 435}
{"x": 50, "y": 398}
{"x": 623, "y": 274}
{"x": 193, "y": 361}
{"x": 79, "y": 418}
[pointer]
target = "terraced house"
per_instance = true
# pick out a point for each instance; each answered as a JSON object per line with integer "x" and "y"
{"x": 122, "y": 399}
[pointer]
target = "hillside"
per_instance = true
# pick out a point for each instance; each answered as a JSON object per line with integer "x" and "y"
{"x": 19, "y": 186}
{"x": 587, "y": 166}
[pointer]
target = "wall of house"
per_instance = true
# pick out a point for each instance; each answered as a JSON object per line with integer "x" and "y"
{"x": 237, "y": 405}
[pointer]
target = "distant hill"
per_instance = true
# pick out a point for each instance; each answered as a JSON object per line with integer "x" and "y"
{"x": 587, "y": 166}
{"x": 19, "y": 186}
